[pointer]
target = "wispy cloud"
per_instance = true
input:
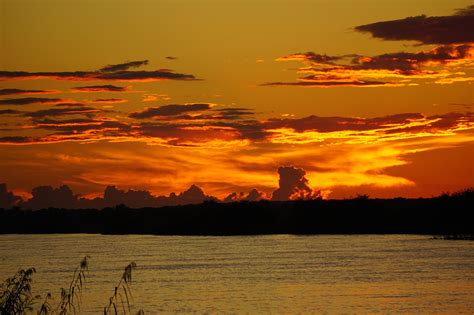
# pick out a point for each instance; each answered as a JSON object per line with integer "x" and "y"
{"x": 169, "y": 110}
{"x": 439, "y": 65}
{"x": 21, "y": 91}
{"x": 450, "y": 62}
{"x": 100, "y": 88}
{"x": 117, "y": 72}
{"x": 31, "y": 100}
{"x": 124, "y": 66}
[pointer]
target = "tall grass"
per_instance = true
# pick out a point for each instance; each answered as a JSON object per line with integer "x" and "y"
{"x": 16, "y": 296}
{"x": 122, "y": 286}
{"x": 15, "y": 293}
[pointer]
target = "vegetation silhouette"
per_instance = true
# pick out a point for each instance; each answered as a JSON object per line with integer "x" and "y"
{"x": 16, "y": 295}
{"x": 448, "y": 214}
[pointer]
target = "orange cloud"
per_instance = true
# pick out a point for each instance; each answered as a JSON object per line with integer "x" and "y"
{"x": 439, "y": 65}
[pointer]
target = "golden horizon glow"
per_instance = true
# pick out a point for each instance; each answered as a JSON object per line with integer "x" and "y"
{"x": 128, "y": 94}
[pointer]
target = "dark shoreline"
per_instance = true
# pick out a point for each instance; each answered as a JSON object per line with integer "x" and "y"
{"x": 443, "y": 216}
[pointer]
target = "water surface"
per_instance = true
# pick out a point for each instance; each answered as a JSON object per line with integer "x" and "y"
{"x": 256, "y": 274}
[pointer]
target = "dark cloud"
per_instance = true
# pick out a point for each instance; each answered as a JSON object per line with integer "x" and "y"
{"x": 93, "y": 125}
{"x": 233, "y": 113}
{"x": 292, "y": 185}
{"x": 171, "y": 58}
{"x": 47, "y": 196}
{"x": 63, "y": 197}
{"x": 186, "y": 134}
{"x": 132, "y": 198}
{"x": 124, "y": 66}
{"x": 118, "y": 72}
{"x": 30, "y": 100}
{"x": 20, "y": 91}
{"x": 170, "y": 110}
{"x": 10, "y": 112}
{"x": 452, "y": 29}
{"x": 7, "y": 198}
{"x": 390, "y": 69}
{"x": 156, "y": 75}
{"x": 331, "y": 124}
{"x": 329, "y": 83}
{"x": 62, "y": 111}
{"x": 81, "y": 125}
{"x": 69, "y": 105}
{"x": 16, "y": 140}
{"x": 142, "y": 198}
{"x": 126, "y": 76}
{"x": 405, "y": 62}
{"x": 100, "y": 88}
{"x": 253, "y": 195}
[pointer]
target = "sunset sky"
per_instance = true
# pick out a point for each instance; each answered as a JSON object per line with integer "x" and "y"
{"x": 368, "y": 97}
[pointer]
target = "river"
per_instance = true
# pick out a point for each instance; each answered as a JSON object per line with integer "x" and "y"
{"x": 255, "y": 274}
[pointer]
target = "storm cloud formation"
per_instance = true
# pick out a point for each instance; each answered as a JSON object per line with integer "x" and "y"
{"x": 293, "y": 185}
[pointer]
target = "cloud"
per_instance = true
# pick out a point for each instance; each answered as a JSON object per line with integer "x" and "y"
{"x": 292, "y": 185}
{"x": 445, "y": 64}
{"x": 253, "y": 195}
{"x": 171, "y": 58}
{"x": 30, "y": 100}
{"x": 7, "y": 198}
{"x": 119, "y": 73}
{"x": 122, "y": 76}
{"x": 10, "y": 112}
{"x": 124, "y": 66}
{"x": 170, "y": 110}
{"x": 63, "y": 197}
{"x": 205, "y": 124}
{"x": 452, "y": 29}
{"x": 47, "y": 196}
{"x": 78, "y": 109}
{"x": 21, "y": 92}
{"x": 233, "y": 113}
{"x": 350, "y": 82}
{"x": 438, "y": 65}
{"x": 108, "y": 101}
{"x": 100, "y": 88}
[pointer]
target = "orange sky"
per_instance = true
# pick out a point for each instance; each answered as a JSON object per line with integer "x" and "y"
{"x": 365, "y": 96}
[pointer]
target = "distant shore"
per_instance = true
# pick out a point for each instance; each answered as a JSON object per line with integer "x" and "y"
{"x": 444, "y": 216}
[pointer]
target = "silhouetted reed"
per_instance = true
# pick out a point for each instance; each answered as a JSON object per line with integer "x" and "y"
{"x": 15, "y": 293}
{"x": 71, "y": 297}
{"x": 16, "y": 296}
{"x": 123, "y": 286}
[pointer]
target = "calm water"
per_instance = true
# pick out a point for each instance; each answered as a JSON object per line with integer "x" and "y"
{"x": 257, "y": 274}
